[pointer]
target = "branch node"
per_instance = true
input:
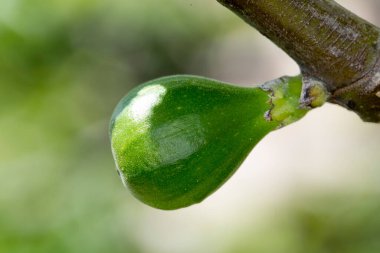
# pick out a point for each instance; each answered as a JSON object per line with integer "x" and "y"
{"x": 314, "y": 93}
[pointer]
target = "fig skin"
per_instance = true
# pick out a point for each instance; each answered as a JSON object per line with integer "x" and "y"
{"x": 177, "y": 139}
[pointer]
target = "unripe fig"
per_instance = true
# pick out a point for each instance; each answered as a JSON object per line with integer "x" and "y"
{"x": 177, "y": 139}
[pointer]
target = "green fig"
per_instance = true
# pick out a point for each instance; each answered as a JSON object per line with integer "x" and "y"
{"x": 177, "y": 139}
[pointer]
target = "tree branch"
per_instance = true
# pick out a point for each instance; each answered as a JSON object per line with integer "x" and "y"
{"x": 331, "y": 45}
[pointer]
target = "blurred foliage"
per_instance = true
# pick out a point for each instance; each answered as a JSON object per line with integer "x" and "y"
{"x": 64, "y": 65}
{"x": 339, "y": 222}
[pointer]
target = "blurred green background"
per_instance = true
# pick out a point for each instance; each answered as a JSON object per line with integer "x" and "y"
{"x": 65, "y": 64}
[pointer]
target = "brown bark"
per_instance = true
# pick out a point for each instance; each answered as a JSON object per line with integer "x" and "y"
{"x": 332, "y": 46}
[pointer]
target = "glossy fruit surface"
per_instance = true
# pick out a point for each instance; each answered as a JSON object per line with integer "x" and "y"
{"x": 177, "y": 139}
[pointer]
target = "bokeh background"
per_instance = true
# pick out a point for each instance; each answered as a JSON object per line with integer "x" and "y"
{"x": 64, "y": 64}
